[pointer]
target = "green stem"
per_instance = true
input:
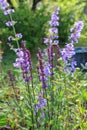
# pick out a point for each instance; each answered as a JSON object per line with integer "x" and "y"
{"x": 30, "y": 103}
{"x": 21, "y": 114}
{"x": 14, "y": 30}
{"x": 66, "y": 103}
{"x": 47, "y": 105}
{"x": 34, "y": 96}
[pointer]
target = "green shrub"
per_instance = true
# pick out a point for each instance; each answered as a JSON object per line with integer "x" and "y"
{"x": 30, "y": 24}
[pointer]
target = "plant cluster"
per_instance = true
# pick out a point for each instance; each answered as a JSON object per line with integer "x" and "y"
{"x": 54, "y": 95}
{"x": 33, "y": 30}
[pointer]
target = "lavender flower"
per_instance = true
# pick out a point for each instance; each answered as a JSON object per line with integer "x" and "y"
{"x": 75, "y": 32}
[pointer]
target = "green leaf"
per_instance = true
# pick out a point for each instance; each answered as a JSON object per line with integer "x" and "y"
{"x": 3, "y": 121}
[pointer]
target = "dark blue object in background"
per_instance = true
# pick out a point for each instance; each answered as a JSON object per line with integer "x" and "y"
{"x": 80, "y": 56}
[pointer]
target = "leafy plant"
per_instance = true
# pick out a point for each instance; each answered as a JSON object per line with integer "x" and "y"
{"x": 53, "y": 96}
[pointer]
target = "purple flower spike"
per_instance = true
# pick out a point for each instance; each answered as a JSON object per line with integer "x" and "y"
{"x": 24, "y": 62}
{"x": 51, "y": 55}
{"x": 75, "y": 32}
{"x": 41, "y": 70}
{"x": 58, "y": 52}
{"x": 68, "y": 52}
{"x": 53, "y": 38}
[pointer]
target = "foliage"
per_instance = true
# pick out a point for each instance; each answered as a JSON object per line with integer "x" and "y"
{"x": 69, "y": 106}
{"x": 30, "y": 24}
{"x": 34, "y": 30}
{"x": 53, "y": 96}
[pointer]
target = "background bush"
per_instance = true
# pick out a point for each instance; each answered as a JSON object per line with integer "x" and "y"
{"x": 33, "y": 24}
{"x": 30, "y": 24}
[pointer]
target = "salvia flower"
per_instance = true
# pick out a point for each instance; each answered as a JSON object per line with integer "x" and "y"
{"x": 86, "y": 64}
{"x": 10, "y": 38}
{"x": 71, "y": 66}
{"x": 10, "y": 23}
{"x": 47, "y": 70}
{"x": 56, "y": 42}
{"x": 42, "y": 102}
{"x": 67, "y": 52}
{"x": 54, "y": 18}
{"x": 4, "y": 4}
{"x": 53, "y": 30}
{"x": 18, "y": 35}
{"x": 51, "y": 55}
{"x": 46, "y": 63}
{"x": 48, "y": 40}
{"x": 19, "y": 60}
{"x": 75, "y": 32}
{"x": 11, "y": 78}
{"x": 8, "y": 11}
{"x": 24, "y": 62}
{"x": 54, "y": 23}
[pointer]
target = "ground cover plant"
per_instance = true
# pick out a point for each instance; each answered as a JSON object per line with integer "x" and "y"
{"x": 51, "y": 97}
